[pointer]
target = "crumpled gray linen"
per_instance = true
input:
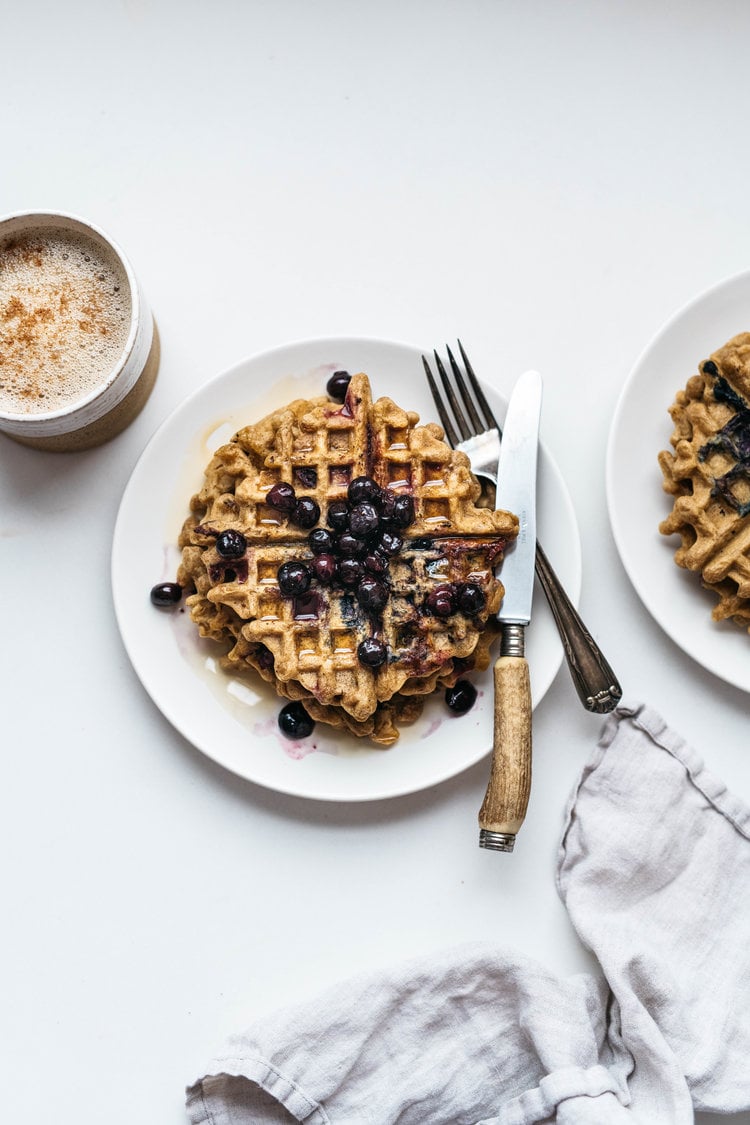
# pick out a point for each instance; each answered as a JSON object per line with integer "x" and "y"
{"x": 654, "y": 869}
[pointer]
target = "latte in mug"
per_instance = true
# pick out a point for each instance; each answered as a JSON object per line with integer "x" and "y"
{"x": 78, "y": 353}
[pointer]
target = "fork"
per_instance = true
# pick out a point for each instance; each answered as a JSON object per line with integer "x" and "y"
{"x": 479, "y": 438}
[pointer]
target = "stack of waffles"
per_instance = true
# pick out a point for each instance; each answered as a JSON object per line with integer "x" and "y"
{"x": 308, "y": 645}
{"x": 709, "y": 476}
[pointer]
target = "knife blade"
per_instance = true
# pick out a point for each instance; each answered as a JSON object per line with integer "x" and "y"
{"x": 504, "y": 807}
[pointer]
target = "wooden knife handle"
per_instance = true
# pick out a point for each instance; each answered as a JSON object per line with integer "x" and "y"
{"x": 504, "y": 806}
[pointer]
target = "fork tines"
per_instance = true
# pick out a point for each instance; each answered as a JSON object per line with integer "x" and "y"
{"x": 474, "y": 406}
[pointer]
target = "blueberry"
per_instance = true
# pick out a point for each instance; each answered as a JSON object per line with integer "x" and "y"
{"x": 442, "y": 600}
{"x": 320, "y": 541}
{"x": 364, "y": 520}
{"x": 389, "y": 543}
{"x": 307, "y": 475}
{"x": 293, "y": 578}
{"x": 349, "y": 572}
{"x": 710, "y": 368}
{"x": 306, "y": 512}
{"x": 372, "y": 652}
{"x": 371, "y": 594}
{"x": 166, "y": 594}
{"x": 324, "y": 569}
{"x": 231, "y": 544}
{"x": 403, "y": 512}
{"x": 461, "y": 697}
{"x": 349, "y": 546}
{"x": 471, "y": 598}
{"x": 338, "y": 515}
{"x": 387, "y": 505}
{"x": 364, "y": 488}
{"x": 440, "y": 606}
{"x": 295, "y": 722}
{"x": 376, "y": 563}
{"x": 282, "y": 496}
{"x": 338, "y": 384}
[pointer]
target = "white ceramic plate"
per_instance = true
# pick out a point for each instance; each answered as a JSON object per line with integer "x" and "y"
{"x": 232, "y": 722}
{"x": 641, "y": 428}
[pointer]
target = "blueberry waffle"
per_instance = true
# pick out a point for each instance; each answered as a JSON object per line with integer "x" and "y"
{"x": 338, "y": 548}
{"x": 709, "y": 475}
{"x": 382, "y": 726}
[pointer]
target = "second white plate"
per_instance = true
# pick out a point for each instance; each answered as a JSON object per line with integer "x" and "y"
{"x": 233, "y": 722}
{"x": 641, "y": 428}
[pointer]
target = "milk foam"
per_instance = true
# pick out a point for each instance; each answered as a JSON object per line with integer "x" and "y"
{"x": 65, "y": 314}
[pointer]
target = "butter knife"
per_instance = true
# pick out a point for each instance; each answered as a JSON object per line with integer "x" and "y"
{"x": 504, "y": 807}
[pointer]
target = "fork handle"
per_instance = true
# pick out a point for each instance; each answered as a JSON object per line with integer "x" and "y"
{"x": 594, "y": 680}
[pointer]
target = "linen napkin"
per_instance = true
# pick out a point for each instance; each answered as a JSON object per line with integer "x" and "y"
{"x": 654, "y": 869}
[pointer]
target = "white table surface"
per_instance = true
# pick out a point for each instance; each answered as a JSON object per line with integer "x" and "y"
{"x": 549, "y": 182}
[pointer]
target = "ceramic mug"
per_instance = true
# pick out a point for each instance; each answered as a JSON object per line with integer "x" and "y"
{"x": 54, "y": 300}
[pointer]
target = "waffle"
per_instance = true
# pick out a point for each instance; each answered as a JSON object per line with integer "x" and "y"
{"x": 309, "y": 644}
{"x": 382, "y": 727}
{"x": 708, "y": 473}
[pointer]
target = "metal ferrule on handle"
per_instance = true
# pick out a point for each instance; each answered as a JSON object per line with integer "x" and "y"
{"x": 513, "y": 642}
{"x": 496, "y": 841}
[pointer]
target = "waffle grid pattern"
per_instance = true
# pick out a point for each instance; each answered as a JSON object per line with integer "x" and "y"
{"x": 710, "y": 493}
{"x": 319, "y": 449}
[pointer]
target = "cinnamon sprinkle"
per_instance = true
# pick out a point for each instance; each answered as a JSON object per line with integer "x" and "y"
{"x": 64, "y": 319}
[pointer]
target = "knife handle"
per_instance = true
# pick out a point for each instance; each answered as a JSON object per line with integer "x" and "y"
{"x": 504, "y": 806}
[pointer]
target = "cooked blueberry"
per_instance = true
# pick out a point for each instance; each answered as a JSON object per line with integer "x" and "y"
{"x": 376, "y": 563}
{"x": 320, "y": 541}
{"x": 364, "y": 520}
{"x": 349, "y": 546}
{"x": 371, "y": 594}
{"x": 440, "y": 606}
{"x": 471, "y": 598}
{"x": 264, "y": 657}
{"x": 295, "y": 722}
{"x": 282, "y": 496}
{"x": 293, "y": 578}
{"x": 166, "y": 594}
{"x": 306, "y": 512}
{"x": 324, "y": 569}
{"x": 364, "y": 488}
{"x": 389, "y": 543}
{"x": 442, "y": 600}
{"x": 307, "y": 475}
{"x": 231, "y": 544}
{"x": 372, "y": 652}
{"x": 338, "y": 515}
{"x": 387, "y": 505}
{"x": 423, "y": 544}
{"x": 349, "y": 571}
{"x": 710, "y": 368}
{"x": 338, "y": 384}
{"x": 403, "y": 512}
{"x": 461, "y": 697}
